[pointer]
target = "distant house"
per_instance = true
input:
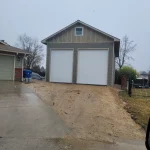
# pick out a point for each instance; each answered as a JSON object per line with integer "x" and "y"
{"x": 11, "y": 62}
{"x": 142, "y": 80}
{"x": 144, "y": 75}
{"x": 80, "y": 53}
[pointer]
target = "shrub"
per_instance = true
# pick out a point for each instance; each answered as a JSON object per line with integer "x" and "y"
{"x": 128, "y": 72}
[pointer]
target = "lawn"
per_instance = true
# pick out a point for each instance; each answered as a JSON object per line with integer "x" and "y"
{"x": 138, "y": 105}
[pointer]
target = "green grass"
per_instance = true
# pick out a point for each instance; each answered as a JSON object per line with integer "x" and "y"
{"x": 138, "y": 105}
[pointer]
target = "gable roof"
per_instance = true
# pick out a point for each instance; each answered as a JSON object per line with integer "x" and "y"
{"x": 74, "y": 23}
{"x": 11, "y": 49}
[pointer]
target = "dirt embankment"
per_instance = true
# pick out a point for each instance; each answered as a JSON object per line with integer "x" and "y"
{"x": 93, "y": 112}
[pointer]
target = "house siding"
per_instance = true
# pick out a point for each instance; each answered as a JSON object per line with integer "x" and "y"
{"x": 18, "y": 68}
{"x": 89, "y": 36}
{"x": 76, "y": 46}
{"x": 18, "y": 63}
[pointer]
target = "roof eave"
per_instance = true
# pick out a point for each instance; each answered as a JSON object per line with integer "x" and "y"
{"x": 44, "y": 42}
{"x": 27, "y": 53}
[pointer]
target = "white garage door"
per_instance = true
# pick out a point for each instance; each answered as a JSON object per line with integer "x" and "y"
{"x": 92, "y": 67}
{"x": 61, "y": 67}
{"x": 6, "y": 67}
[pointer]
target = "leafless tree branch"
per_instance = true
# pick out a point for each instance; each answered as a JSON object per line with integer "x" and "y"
{"x": 126, "y": 47}
{"x": 31, "y": 45}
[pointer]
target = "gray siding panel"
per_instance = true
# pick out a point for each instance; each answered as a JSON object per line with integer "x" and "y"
{"x": 48, "y": 60}
{"x": 74, "y": 79}
{"x": 89, "y": 36}
{"x": 108, "y": 45}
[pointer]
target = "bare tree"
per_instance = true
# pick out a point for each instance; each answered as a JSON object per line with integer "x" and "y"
{"x": 31, "y": 45}
{"x": 126, "y": 47}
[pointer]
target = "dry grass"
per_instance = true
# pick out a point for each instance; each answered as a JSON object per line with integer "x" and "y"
{"x": 138, "y": 105}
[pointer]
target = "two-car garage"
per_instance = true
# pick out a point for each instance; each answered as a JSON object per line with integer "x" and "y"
{"x": 82, "y": 54}
{"x": 90, "y": 67}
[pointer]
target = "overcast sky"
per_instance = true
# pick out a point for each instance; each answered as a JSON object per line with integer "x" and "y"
{"x": 41, "y": 18}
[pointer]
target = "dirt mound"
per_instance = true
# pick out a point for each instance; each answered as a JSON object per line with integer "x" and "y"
{"x": 93, "y": 112}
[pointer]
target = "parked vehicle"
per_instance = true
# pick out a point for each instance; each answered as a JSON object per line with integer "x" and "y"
{"x": 146, "y": 86}
{"x": 36, "y": 76}
{"x": 140, "y": 83}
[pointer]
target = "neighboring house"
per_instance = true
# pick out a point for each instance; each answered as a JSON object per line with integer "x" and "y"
{"x": 80, "y": 53}
{"x": 11, "y": 62}
{"x": 3, "y": 42}
{"x": 144, "y": 75}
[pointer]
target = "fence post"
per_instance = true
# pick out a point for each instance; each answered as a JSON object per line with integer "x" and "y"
{"x": 130, "y": 87}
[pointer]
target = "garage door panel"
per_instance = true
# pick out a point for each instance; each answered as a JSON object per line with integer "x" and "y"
{"x": 61, "y": 66}
{"x": 6, "y": 67}
{"x": 92, "y": 67}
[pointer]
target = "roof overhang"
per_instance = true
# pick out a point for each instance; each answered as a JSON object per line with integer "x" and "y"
{"x": 12, "y": 50}
{"x": 8, "y": 51}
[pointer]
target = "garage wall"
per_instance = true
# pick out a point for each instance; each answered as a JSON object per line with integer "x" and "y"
{"x": 108, "y": 45}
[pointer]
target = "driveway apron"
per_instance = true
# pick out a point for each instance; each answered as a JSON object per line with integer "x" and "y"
{"x": 23, "y": 115}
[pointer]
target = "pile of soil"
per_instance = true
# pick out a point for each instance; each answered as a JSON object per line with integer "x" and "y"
{"x": 93, "y": 112}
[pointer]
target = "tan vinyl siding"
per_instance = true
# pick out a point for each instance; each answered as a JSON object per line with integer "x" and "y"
{"x": 89, "y": 36}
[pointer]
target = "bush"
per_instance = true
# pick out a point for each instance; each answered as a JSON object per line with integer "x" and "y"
{"x": 128, "y": 72}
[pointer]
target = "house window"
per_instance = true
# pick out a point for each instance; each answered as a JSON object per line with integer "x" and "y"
{"x": 79, "y": 31}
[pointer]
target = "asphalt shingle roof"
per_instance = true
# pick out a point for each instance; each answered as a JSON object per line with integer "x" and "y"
{"x": 8, "y": 48}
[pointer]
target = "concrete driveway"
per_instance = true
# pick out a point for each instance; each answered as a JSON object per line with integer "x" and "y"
{"x": 27, "y": 123}
{"x": 25, "y": 120}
